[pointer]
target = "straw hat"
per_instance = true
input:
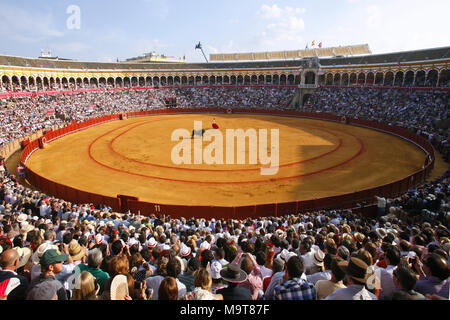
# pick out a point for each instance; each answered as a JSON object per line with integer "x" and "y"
{"x": 76, "y": 251}
{"x": 24, "y": 255}
{"x": 41, "y": 250}
{"x": 119, "y": 287}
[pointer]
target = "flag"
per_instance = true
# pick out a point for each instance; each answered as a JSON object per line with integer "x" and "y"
{"x": 306, "y": 48}
{"x": 313, "y": 43}
{"x": 198, "y": 46}
{"x": 320, "y": 45}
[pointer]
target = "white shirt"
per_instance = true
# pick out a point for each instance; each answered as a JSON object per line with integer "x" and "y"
{"x": 352, "y": 292}
{"x": 325, "y": 275}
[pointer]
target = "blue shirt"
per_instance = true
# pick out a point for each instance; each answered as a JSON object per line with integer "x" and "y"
{"x": 295, "y": 289}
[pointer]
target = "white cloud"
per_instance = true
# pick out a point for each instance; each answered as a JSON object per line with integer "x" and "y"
{"x": 284, "y": 32}
{"x": 25, "y": 26}
{"x": 269, "y": 12}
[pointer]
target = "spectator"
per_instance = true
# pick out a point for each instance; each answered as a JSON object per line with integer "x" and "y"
{"x": 168, "y": 289}
{"x": 9, "y": 262}
{"x": 51, "y": 263}
{"x": 202, "y": 289}
{"x": 435, "y": 280}
{"x": 294, "y": 287}
{"x": 94, "y": 261}
{"x": 405, "y": 281}
{"x": 357, "y": 275}
{"x": 88, "y": 288}
{"x": 233, "y": 275}
{"x": 326, "y": 287}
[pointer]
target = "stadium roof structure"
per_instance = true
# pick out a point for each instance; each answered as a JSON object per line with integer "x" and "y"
{"x": 431, "y": 54}
{"x": 294, "y": 54}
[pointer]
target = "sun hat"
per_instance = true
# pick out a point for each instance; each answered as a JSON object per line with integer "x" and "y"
{"x": 52, "y": 256}
{"x": 26, "y": 228}
{"x": 119, "y": 287}
{"x": 152, "y": 242}
{"x": 22, "y": 218}
{"x": 185, "y": 250}
{"x": 205, "y": 245}
{"x": 41, "y": 250}
{"x": 356, "y": 269}
{"x": 76, "y": 251}
{"x": 285, "y": 255}
{"x": 318, "y": 257}
{"x": 24, "y": 255}
{"x": 232, "y": 273}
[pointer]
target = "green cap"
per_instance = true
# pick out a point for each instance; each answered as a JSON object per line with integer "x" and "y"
{"x": 51, "y": 256}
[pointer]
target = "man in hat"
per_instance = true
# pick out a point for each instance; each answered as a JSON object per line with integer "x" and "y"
{"x": 326, "y": 287}
{"x": 357, "y": 275}
{"x": 9, "y": 262}
{"x": 233, "y": 275}
{"x": 51, "y": 263}
{"x": 321, "y": 260}
{"x": 294, "y": 287}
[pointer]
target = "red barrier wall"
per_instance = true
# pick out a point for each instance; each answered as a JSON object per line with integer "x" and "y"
{"x": 125, "y": 203}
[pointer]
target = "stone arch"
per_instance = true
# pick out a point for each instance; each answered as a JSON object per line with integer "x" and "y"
{"x": 119, "y": 82}
{"x": 444, "y": 78}
{"x": 409, "y": 78}
{"x": 23, "y": 82}
{"x": 388, "y": 78}
{"x": 102, "y": 82}
{"x": 379, "y": 77}
{"x": 93, "y": 81}
{"x": 432, "y": 78}
{"x": 398, "y": 79}
{"x": 420, "y": 78}
{"x": 110, "y": 82}
{"x": 337, "y": 79}
{"x": 361, "y": 78}
{"x": 261, "y": 79}
{"x": 353, "y": 79}
{"x": 345, "y": 79}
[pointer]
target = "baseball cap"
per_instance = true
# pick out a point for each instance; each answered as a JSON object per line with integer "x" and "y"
{"x": 52, "y": 256}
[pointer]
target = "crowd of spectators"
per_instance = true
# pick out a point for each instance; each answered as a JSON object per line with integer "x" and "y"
{"x": 22, "y": 115}
{"x": 423, "y": 112}
{"x": 54, "y": 249}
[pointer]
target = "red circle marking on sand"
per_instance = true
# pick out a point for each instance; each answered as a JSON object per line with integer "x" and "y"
{"x": 360, "y": 151}
{"x": 111, "y": 148}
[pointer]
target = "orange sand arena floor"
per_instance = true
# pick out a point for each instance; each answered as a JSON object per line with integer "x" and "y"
{"x": 317, "y": 159}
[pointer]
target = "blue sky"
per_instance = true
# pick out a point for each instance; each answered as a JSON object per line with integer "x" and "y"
{"x": 123, "y": 29}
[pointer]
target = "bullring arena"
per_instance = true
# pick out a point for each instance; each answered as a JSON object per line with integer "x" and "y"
{"x": 318, "y": 159}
